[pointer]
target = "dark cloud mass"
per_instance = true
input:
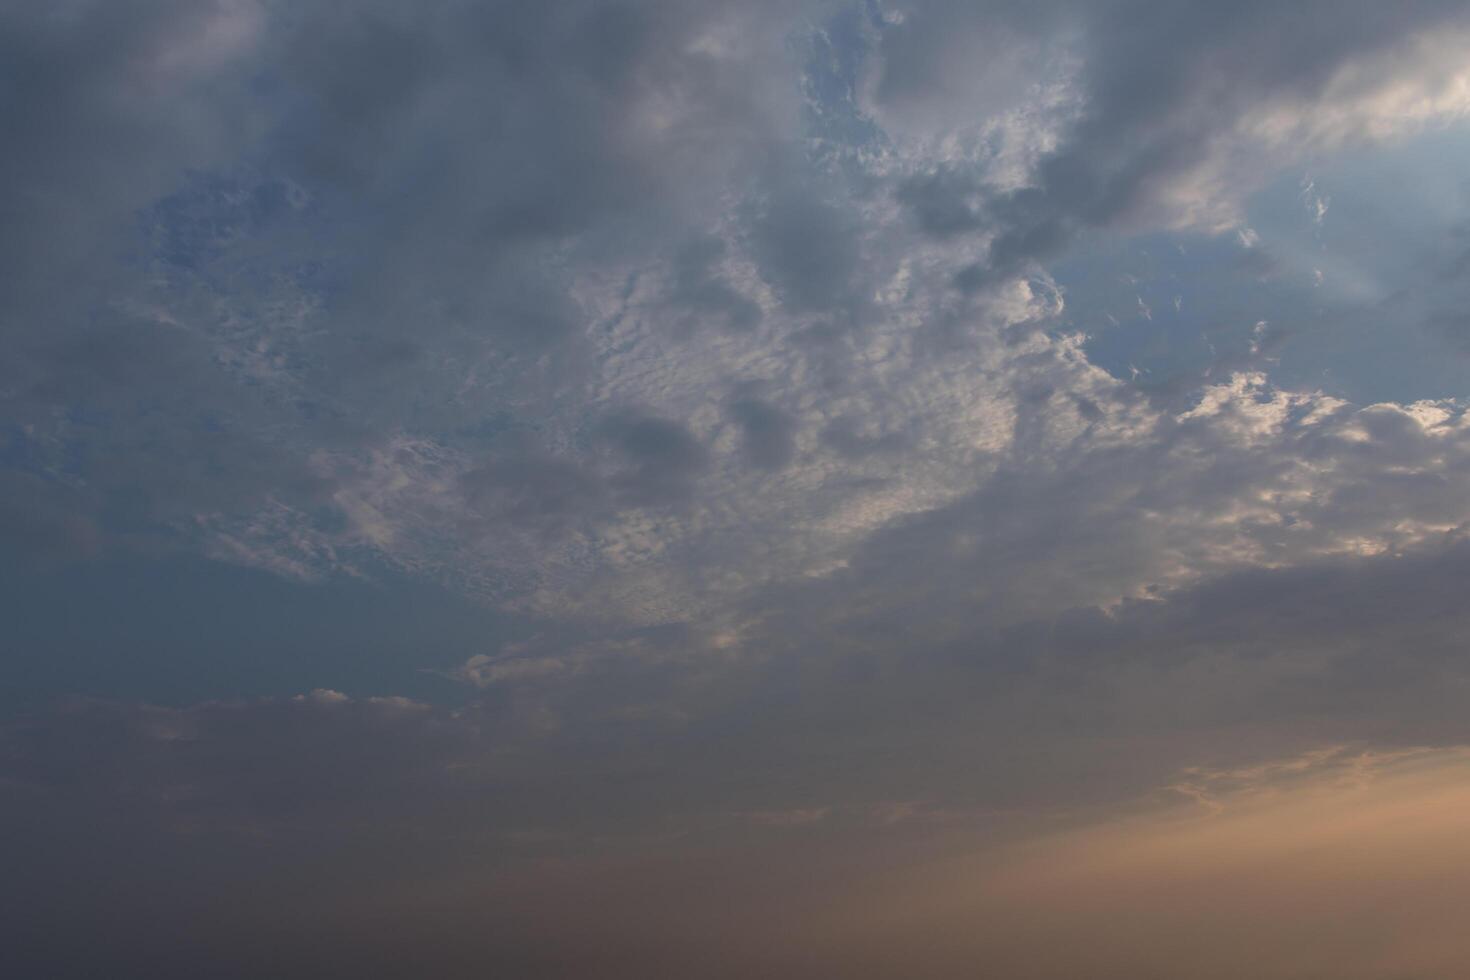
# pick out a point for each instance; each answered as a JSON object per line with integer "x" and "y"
{"x": 636, "y": 489}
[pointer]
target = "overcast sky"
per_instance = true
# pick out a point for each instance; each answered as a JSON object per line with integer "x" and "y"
{"x": 566, "y": 488}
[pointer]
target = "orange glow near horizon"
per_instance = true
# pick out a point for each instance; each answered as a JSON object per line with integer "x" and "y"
{"x": 1335, "y": 865}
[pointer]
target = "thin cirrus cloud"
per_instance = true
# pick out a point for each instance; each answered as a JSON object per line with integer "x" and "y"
{"x": 571, "y": 452}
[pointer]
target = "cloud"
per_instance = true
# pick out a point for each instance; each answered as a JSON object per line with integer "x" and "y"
{"x": 116, "y": 104}
{"x": 654, "y": 458}
{"x": 1170, "y": 116}
{"x": 384, "y": 323}
{"x": 769, "y": 433}
{"x": 390, "y": 828}
{"x": 746, "y": 367}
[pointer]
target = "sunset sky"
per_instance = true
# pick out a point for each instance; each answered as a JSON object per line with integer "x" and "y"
{"x": 733, "y": 489}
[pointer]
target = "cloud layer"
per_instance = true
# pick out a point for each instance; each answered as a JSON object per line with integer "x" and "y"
{"x": 776, "y": 445}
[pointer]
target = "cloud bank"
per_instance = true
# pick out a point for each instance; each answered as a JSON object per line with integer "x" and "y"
{"x": 870, "y": 454}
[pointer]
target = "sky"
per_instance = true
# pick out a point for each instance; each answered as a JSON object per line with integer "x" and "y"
{"x": 819, "y": 488}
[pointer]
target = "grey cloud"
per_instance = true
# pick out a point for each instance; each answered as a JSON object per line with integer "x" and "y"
{"x": 937, "y": 47}
{"x": 706, "y": 293}
{"x": 944, "y": 203}
{"x": 141, "y": 418}
{"x": 255, "y": 235}
{"x": 109, "y": 105}
{"x": 845, "y": 436}
{"x": 653, "y": 460}
{"x": 398, "y": 251}
{"x": 462, "y": 185}
{"x": 1160, "y": 83}
{"x": 1033, "y": 541}
{"x": 808, "y": 249}
{"x": 383, "y": 250}
{"x": 770, "y": 434}
{"x": 531, "y": 488}
{"x": 1454, "y": 327}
